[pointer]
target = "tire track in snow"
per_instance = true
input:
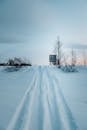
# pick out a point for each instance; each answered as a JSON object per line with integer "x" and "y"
{"x": 47, "y": 120}
{"x": 43, "y": 106}
{"x": 35, "y": 113}
{"x": 28, "y": 115}
{"x": 67, "y": 120}
{"x": 19, "y": 117}
{"x": 52, "y": 104}
{"x": 40, "y": 117}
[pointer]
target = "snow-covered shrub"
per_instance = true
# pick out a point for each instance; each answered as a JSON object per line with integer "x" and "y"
{"x": 18, "y": 62}
{"x": 69, "y": 68}
{"x": 15, "y": 62}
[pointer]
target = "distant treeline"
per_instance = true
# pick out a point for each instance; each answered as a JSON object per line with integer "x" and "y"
{"x": 16, "y": 62}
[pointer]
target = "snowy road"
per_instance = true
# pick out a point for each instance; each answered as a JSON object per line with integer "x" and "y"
{"x": 43, "y": 106}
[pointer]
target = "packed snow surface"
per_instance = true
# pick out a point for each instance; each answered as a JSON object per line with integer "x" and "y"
{"x": 35, "y": 99}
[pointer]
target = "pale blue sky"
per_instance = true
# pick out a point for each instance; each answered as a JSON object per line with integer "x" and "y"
{"x": 29, "y": 28}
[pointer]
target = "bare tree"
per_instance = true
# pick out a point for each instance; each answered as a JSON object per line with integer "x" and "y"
{"x": 73, "y": 57}
{"x": 58, "y": 52}
{"x": 84, "y": 57}
{"x": 65, "y": 59}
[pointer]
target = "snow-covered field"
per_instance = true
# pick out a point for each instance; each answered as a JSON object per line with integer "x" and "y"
{"x": 43, "y": 98}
